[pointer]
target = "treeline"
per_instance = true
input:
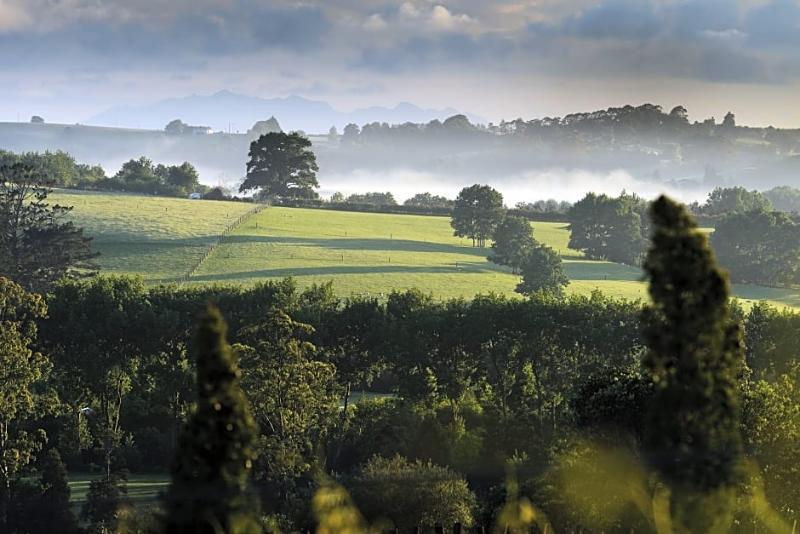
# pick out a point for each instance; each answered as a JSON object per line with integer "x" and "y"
{"x": 610, "y": 127}
{"x": 753, "y": 241}
{"x": 472, "y": 384}
{"x": 136, "y": 175}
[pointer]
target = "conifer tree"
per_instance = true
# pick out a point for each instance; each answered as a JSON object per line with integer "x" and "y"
{"x": 54, "y": 506}
{"x": 692, "y": 433}
{"x": 216, "y": 449}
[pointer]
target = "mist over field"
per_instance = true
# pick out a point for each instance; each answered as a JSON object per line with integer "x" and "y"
{"x": 558, "y": 184}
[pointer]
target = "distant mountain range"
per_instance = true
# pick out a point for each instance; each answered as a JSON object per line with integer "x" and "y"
{"x": 224, "y": 111}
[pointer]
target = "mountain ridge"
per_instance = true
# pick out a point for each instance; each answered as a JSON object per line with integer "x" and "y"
{"x": 226, "y": 110}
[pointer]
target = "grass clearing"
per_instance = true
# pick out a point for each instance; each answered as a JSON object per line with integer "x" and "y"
{"x": 363, "y": 253}
{"x": 143, "y": 489}
{"x": 373, "y": 253}
{"x": 155, "y": 237}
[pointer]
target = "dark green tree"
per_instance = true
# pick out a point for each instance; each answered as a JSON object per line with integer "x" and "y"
{"x": 106, "y": 503}
{"x": 183, "y": 176}
{"x": 281, "y": 165}
{"x": 374, "y": 199}
{"x": 295, "y": 400}
{"x": 542, "y": 270}
{"x": 54, "y": 509}
{"x": 208, "y": 493}
{"x": 608, "y": 228}
{"x": 512, "y": 242}
{"x": 477, "y": 212}
{"x": 21, "y": 373}
{"x": 730, "y": 200}
{"x": 413, "y": 494}
{"x": 426, "y": 200}
{"x": 759, "y": 247}
{"x": 38, "y": 245}
{"x": 692, "y": 434}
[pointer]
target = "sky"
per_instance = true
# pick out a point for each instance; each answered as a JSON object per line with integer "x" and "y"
{"x": 70, "y": 59}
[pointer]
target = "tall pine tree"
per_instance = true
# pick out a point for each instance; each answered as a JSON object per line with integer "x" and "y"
{"x": 38, "y": 244}
{"x": 215, "y": 452}
{"x": 692, "y": 434}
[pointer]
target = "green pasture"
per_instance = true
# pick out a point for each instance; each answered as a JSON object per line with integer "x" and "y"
{"x": 374, "y": 253}
{"x": 155, "y": 237}
{"x": 143, "y": 489}
{"x": 363, "y": 253}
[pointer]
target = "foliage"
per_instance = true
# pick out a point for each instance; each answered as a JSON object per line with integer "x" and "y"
{"x": 217, "y": 446}
{"x": 609, "y": 228}
{"x": 542, "y": 270}
{"x": 21, "y": 368}
{"x": 294, "y": 400}
{"x": 734, "y": 200}
{"x": 759, "y": 247}
{"x": 106, "y": 503}
{"x": 281, "y": 165}
{"x": 94, "y": 332}
{"x": 54, "y": 505}
{"x": 410, "y": 494}
{"x": 477, "y": 212}
{"x": 143, "y": 176}
{"x": 695, "y": 356}
{"x": 426, "y": 200}
{"x": 784, "y": 198}
{"x": 375, "y": 199}
{"x": 59, "y": 168}
{"x": 512, "y": 242}
{"x": 37, "y": 245}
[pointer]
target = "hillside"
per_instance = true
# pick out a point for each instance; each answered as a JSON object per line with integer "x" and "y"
{"x": 157, "y": 238}
{"x": 363, "y": 253}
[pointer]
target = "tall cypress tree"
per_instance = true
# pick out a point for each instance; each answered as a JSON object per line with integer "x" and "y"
{"x": 692, "y": 434}
{"x": 215, "y": 452}
{"x": 54, "y": 506}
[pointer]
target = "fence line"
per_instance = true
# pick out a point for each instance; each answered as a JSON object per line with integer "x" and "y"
{"x": 218, "y": 241}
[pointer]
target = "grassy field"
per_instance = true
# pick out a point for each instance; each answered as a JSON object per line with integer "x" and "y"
{"x": 155, "y": 237}
{"x": 363, "y": 253}
{"x": 368, "y": 253}
{"x": 142, "y": 489}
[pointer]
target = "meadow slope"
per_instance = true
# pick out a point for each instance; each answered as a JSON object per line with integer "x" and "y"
{"x": 363, "y": 253}
{"x": 157, "y": 238}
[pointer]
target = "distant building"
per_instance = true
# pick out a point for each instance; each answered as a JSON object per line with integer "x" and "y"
{"x": 178, "y": 127}
{"x": 195, "y": 196}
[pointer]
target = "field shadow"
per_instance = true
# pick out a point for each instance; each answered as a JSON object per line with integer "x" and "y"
{"x": 362, "y": 244}
{"x": 345, "y": 270}
{"x": 598, "y": 270}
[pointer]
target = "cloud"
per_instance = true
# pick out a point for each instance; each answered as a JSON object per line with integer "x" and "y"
{"x": 12, "y": 16}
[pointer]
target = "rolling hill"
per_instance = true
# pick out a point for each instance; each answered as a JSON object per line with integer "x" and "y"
{"x": 363, "y": 253}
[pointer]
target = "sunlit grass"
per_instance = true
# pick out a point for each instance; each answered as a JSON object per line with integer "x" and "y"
{"x": 142, "y": 488}
{"x": 363, "y": 253}
{"x": 155, "y": 237}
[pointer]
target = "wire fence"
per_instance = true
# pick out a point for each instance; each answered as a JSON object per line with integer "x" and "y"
{"x": 217, "y": 242}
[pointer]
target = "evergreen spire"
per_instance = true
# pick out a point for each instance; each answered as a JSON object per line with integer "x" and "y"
{"x": 208, "y": 493}
{"x": 692, "y": 435}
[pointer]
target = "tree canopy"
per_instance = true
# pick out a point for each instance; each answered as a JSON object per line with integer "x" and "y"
{"x": 281, "y": 165}
{"x": 512, "y": 242}
{"x": 695, "y": 356}
{"x": 477, "y": 211}
{"x": 727, "y": 200}
{"x": 542, "y": 270}
{"x": 38, "y": 244}
{"x": 609, "y": 228}
{"x": 759, "y": 247}
{"x": 217, "y": 446}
